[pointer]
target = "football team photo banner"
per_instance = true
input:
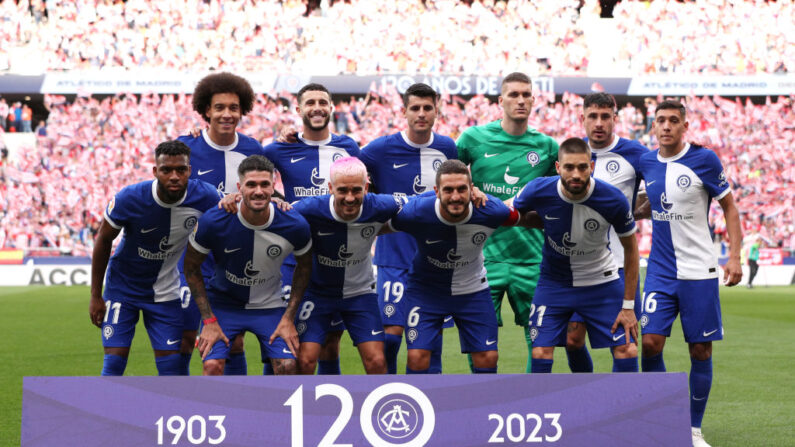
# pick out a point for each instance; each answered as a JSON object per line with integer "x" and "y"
{"x": 383, "y": 411}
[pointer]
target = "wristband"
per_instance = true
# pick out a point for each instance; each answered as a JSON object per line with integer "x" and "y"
{"x": 628, "y": 304}
{"x": 210, "y": 320}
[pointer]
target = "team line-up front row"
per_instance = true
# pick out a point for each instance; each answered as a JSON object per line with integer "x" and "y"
{"x": 295, "y": 272}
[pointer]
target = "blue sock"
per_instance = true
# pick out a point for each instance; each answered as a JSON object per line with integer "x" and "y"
{"x": 184, "y": 369}
{"x": 625, "y": 365}
{"x": 236, "y": 365}
{"x": 541, "y": 366}
{"x": 579, "y": 360}
{"x": 700, "y": 384}
{"x": 529, "y": 367}
{"x": 329, "y": 367}
{"x": 391, "y": 349}
{"x": 113, "y": 365}
{"x": 169, "y": 365}
{"x": 267, "y": 368}
{"x": 653, "y": 363}
{"x": 436, "y": 355}
{"x": 412, "y": 371}
{"x": 477, "y": 370}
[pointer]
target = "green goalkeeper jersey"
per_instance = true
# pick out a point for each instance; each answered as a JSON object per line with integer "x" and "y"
{"x": 501, "y": 165}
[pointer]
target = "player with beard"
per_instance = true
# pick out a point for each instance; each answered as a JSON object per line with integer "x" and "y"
{"x": 578, "y": 272}
{"x": 245, "y": 293}
{"x": 157, "y": 217}
{"x": 304, "y": 165}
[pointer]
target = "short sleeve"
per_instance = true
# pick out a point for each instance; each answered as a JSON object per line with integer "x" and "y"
{"x": 463, "y": 145}
{"x": 553, "y": 155}
{"x": 621, "y": 218}
{"x": 201, "y": 238}
{"x": 117, "y": 212}
{"x": 714, "y": 177}
{"x": 526, "y": 198}
{"x": 301, "y": 237}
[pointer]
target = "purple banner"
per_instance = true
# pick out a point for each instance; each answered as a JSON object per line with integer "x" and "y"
{"x": 390, "y": 411}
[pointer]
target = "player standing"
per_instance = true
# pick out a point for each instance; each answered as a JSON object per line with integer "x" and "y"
{"x": 578, "y": 272}
{"x": 447, "y": 276}
{"x": 617, "y": 162}
{"x": 157, "y": 217}
{"x": 221, "y": 99}
{"x": 682, "y": 276}
{"x": 504, "y": 155}
{"x": 249, "y": 248}
{"x": 404, "y": 164}
{"x": 304, "y": 166}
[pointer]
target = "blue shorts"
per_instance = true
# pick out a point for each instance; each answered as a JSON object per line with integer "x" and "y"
{"x": 697, "y": 301}
{"x": 473, "y": 314}
{"x": 599, "y": 306}
{"x": 260, "y": 322}
{"x": 391, "y": 283}
{"x": 576, "y": 318}
{"x": 359, "y": 314}
{"x": 163, "y": 322}
{"x": 334, "y": 324}
{"x": 191, "y": 317}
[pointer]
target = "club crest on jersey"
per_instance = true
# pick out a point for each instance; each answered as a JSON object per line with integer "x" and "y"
{"x": 111, "y": 205}
{"x": 533, "y": 334}
{"x": 190, "y": 222}
{"x": 612, "y": 167}
{"x": 590, "y": 225}
{"x": 274, "y": 251}
{"x": 107, "y": 331}
{"x": 479, "y": 238}
{"x": 452, "y": 256}
{"x": 683, "y": 182}
{"x": 722, "y": 178}
{"x": 533, "y": 158}
{"x": 336, "y": 156}
{"x": 417, "y": 186}
{"x": 412, "y": 334}
{"x": 164, "y": 245}
{"x": 367, "y": 232}
{"x": 221, "y": 187}
{"x": 300, "y": 327}
{"x": 644, "y": 320}
{"x": 664, "y": 203}
{"x": 316, "y": 179}
{"x": 436, "y": 164}
{"x": 389, "y": 310}
{"x": 343, "y": 252}
{"x": 249, "y": 270}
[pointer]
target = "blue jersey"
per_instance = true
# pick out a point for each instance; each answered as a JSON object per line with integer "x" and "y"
{"x": 248, "y": 257}
{"x": 217, "y": 165}
{"x": 619, "y": 165}
{"x": 342, "y": 264}
{"x": 144, "y": 265}
{"x": 305, "y": 164}
{"x": 576, "y": 249}
{"x": 402, "y": 168}
{"x": 449, "y": 257}
{"x": 680, "y": 189}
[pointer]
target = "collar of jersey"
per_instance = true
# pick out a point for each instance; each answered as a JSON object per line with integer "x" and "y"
{"x": 604, "y": 149}
{"x": 337, "y": 217}
{"x": 591, "y": 186}
{"x": 218, "y": 147}
{"x": 675, "y": 157}
{"x": 164, "y": 204}
{"x": 257, "y": 227}
{"x": 437, "y": 206}
{"x": 413, "y": 144}
{"x": 313, "y": 142}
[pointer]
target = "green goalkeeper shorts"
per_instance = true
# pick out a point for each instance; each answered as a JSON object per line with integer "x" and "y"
{"x": 518, "y": 281}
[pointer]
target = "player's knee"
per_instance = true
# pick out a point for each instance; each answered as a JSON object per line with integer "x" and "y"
{"x": 625, "y": 351}
{"x": 237, "y": 346}
{"x": 284, "y": 367}
{"x": 306, "y": 365}
{"x": 394, "y": 330}
{"x": 485, "y": 359}
{"x": 213, "y": 367}
{"x": 375, "y": 363}
{"x": 418, "y": 359}
{"x": 701, "y": 351}
{"x": 652, "y": 344}
{"x": 543, "y": 352}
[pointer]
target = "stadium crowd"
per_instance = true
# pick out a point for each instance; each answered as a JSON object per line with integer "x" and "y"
{"x": 434, "y": 36}
{"x": 53, "y": 194}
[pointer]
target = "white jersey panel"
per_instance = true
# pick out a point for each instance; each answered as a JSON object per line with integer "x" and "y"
{"x": 591, "y": 262}
{"x": 231, "y": 161}
{"x": 183, "y": 219}
{"x": 616, "y": 170}
{"x": 359, "y": 277}
{"x": 266, "y": 293}
{"x": 469, "y": 274}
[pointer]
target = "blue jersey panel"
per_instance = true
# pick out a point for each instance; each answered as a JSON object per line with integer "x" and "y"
{"x": 217, "y": 165}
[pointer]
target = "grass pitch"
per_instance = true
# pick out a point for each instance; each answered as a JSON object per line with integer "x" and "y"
{"x": 46, "y": 332}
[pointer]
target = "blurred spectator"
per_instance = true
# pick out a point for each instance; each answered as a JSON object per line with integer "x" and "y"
{"x": 26, "y": 115}
{"x": 3, "y": 113}
{"x": 12, "y": 117}
{"x": 41, "y": 129}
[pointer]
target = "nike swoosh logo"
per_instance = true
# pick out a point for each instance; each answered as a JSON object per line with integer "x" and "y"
{"x": 286, "y": 351}
{"x": 489, "y": 155}
{"x": 432, "y": 242}
{"x": 490, "y": 342}
{"x": 707, "y": 334}
{"x": 226, "y": 250}
{"x": 550, "y": 217}
{"x": 618, "y": 337}
{"x": 320, "y": 233}
{"x": 148, "y": 230}
{"x": 205, "y": 172}
{"x": 296, "y": 160}
{"x": 649, "y": 183}
{"x": 376, "y": 332}
{"x": 336, "y": 323}
{"x": 397, "y": 166}
{"x": 446, "y": 319}
{"x": 172, "y": 342}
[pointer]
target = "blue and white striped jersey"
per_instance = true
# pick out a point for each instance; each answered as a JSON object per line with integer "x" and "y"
{"x": 680, "y": 189}
{"x": 217, "y": 165}
{"x": 576, "y": 249}
{"x": 144, "y": 265}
